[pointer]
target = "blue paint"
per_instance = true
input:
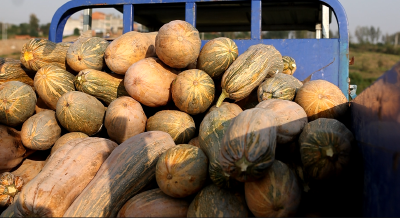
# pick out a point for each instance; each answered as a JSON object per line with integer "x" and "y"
{"x": 256, "y": 7}
{"x": 128, "y": 18}
{"x": 190, "y": 13}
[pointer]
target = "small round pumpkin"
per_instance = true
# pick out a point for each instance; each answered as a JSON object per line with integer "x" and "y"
{"x": 322, "y": 99}
{"x": 281, "y": 86}
{"x": 289, "y": 65}
{"x": 182, "y": 170}
{"x": 10, "y": 185}
{"x": 178, "y": 44}
{"x": 66, "y": 138}
{"x": 193, "y": 91}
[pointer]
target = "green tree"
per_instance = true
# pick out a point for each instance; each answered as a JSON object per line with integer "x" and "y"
{"x": 76, "y": 32}
{"x": 45, "y": 28}
{"x": 33, "y": 25}
{"x": 24, "y": 29}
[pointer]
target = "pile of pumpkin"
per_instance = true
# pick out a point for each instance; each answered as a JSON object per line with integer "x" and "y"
{"x": 133, "y": 128}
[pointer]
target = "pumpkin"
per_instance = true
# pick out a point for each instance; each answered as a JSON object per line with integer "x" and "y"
{"x": 66, "y": 138}
{"x": 8, "y": 212}
{"x": 249, "y": 102}
{"x": 248, "y": 146}
{"x": 217, "y": 55}
{"x": 62, "y": 179}
{"x": 124, "y": 118}
{"x": 325, "y": 146}
{"x": 41, "y": 105}
{"x": 29, "y": 169}
{"x": 211, "y": 131}
{"x": 13, "y": 70}
{"x": 281, "y": 86}
{"x": 178, "y": 124}
{"x": 193, "y": 91}
{"x": 289, "y": 117}
{"x": 182, "y": 171}
{"x": 289, "y": 65}
{"x": 12, "y": 151}
{"x": 213, "y": 201}
{"x": 87, "y": 53}
{"x": 178, "y": 44}
{"x": 148, "y": 81}
{"x": 321, "y": 99}
{"x": 80, "y": 112}
{"x": 104, "y": 86}
{"x": 37, "y": 53}
{"x": 154, "y": 203}
{"x": 129, "y": 168}
{"x": 10, "y": 185}
{"x": 277, "y": 194}
{"x": 51, "y": 82}
{"x": 40, "y": 131}
{"x": 17, "y": 104}
{"x": 195, "y": 142}
{"x": 128, "y": 49}
{"x": 249, "y": 70}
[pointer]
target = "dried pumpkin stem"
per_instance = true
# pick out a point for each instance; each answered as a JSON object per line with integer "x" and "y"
{"x": 327, "y": 151}
{"x": 222, "y": 97}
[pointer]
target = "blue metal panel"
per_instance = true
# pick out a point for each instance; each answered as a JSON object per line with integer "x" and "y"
{"x": 256, "y": 19}
{"x": 128, "y": 18}
{"x": 190, "y": 13}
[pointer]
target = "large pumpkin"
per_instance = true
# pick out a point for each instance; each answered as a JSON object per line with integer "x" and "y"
{"x": 51, "y": 82}
{"x": 322, "y": 99}
{"x": 193, "y": 91}
{"x": 29, "y": 169}
{"x": 217, "y": 55}
{"x": 178, "y": 44}
{"x": 281, "y": 86}
{"x": 12, "y": 151}
{"x": 182, "y": 170}
{"x": 13, "y": 70}
{"x": 17, "y": 103}
{"x": 10, "y": 185}
{"x": 248, "y": 146}
{"x": 124, "y": 118}
{"x": 178, "y": 124}
{"x": 149, "y": 81}
{"x": 87, "y": 53}
{"x": 66, "y": 138}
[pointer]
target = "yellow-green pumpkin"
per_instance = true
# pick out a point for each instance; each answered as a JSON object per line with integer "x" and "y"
{"x": 289, "y": 65}
{"x": 281, "y": 86}
{"x": 13, "y": 70}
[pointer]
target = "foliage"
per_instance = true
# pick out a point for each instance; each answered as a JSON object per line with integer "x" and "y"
{"x": 361, "y": 82}
{"x": 76, "y": 32}
{"x": 33, "y": 25}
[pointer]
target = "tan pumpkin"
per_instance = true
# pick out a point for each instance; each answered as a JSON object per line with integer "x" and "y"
{"x": 10, "y": 185}
{"x": 195, "y": 142}
{"x": 29, "y": 169}
{"x": 13, "y": 70}
{"x": 12, "y": 151}
{"x": 66, "y": 138}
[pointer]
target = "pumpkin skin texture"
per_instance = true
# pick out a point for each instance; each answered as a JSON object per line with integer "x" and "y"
{"x": 193, "y": 91}
{"x": 80, "y": 112}
{"x": 12, "y": 151}
{"x": 321, "y": 99}
{"x": 217, "y": 55}
{"x": 178, "y": 44}
{"x": 211, "y": 131}
{"x": 29, "y": 169}
{"x": 277, "y": 194}
{"x": 13, "y": 70}
{"x": 213, "y": 201}
{"x": 124, "y": 118}
{"x": 10, "y": 185}
{"x": 325, "y": 146}
{"x": 248, "y": 146}
{"x": 104, "y": 86}
{"x": 51, "y": 82}
{"x": 128, "y": 49}
{"x": 195, "y": 142}
{"x": 41, "y": 105}
{"x": 182, "y": 171}
{"x": 249, "y": 70}
{"x": 9, "y": 212}
{"x": 178, "y": 124}
{"x": 289, "y": 65}
{"x": 154, "y": 203}
{"x": 18, "y": 101}
{"x": 87, "y": 53}
{"x": 62, "y": 179}
{"x": 66, "y": 138}
{"x": 281, "y": 86}
{"x": 149, "y": 81}
{"x": 134, "y": 163}
{"x": 289, "y": 117}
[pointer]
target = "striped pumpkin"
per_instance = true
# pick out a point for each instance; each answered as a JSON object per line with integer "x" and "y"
{"x": 281, "y": 86}
{"x": 217, "y": 55}
{"x": 13, "y": 70}
{"x": 10, "y": 186}
{"x": 289, "y": 65}
{"x": 249, "y": 70}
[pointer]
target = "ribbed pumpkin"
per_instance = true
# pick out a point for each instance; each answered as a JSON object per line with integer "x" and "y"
{"x": 248, "y": 146}
{"x": 10, "y": 185}
{"x": 290, "y": 118}
{"x": 193, "y": 91}
{"x": 321, "y": 99}
{"x": 124, "y": 118}
{"x": 149, "y": 81}
{"x": 289, "y": 65}
{"x": 178, "y": 124}
{"x": 213, "y": 201}
{"x": 325, "y": 146}
{"x": 104, "y": 86}
{"x": 154, "y": 203}
{"x": 12, "y": 151}
{"x": 40, "y": 131}
{"x": 13, "y": 70}
{"x": 217, "y": 55}
{"x": 129, "y": 168}
{"x": 128, "y": 49}
{"x": 277, "y": 194}
{"x": 87, "y": 53}
{"x": 178, "y": 44}
{"x": 281, "y": 86}
{"x": 51, "y": 82}
{"x": 249, "y": 70}
{"x": 17, "y": 103}
{"x": 182, "y": 170}
{"x": 195, "y": 142}
{"x": 211, "y": 131}
{"x": 80, "y": 112}
{"x": 37, "y": 53}
{"x": 29, "y": 169}
{"x": 66, "y": 138}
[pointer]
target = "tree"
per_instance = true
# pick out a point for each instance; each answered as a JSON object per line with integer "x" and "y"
{"x": 76, "y": 32}
{"x": 45, "y": 28}
{"x": 33, "y": 25}
{"x": 24, "y": 29}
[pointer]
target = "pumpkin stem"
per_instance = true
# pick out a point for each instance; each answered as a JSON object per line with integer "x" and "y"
{"x": 222, "y": 97}
{"x": 328, "y": 151}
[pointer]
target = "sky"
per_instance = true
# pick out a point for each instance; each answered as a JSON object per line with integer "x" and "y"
{"x": 384, "y": 14}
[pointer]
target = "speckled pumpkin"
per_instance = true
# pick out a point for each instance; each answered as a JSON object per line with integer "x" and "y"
{"x": 66, "y": 138}
{"x": 13, "y": 70}
{"x": 289, "y": 65}
{"x": 10, "y": 185}
{"x": 281, "y": 86}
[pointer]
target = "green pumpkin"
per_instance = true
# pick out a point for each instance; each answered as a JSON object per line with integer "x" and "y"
{"x": 281, "y": 86}
{"x": 87, "y": 53}
{"x": 13, "y": 70}
{"x": 289, "y": 65}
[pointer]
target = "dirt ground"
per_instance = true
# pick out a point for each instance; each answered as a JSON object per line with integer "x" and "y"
{"x": 11, "y": 47}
